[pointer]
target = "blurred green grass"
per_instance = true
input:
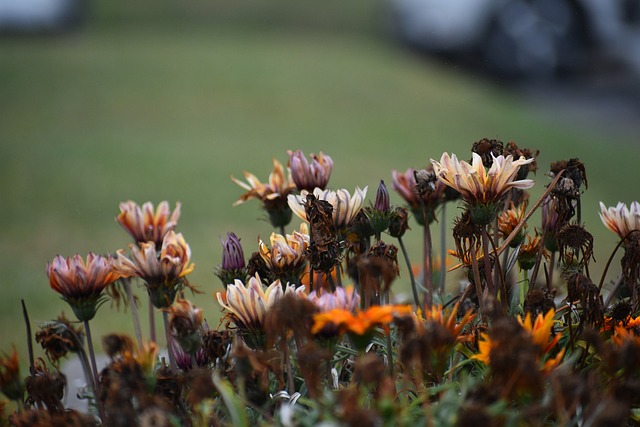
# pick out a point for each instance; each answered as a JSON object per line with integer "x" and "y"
{"x": 164, "y": 101}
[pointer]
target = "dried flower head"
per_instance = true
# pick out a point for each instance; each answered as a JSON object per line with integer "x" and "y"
{"x": 81, "y": 283}
{"x": 273, "y": 196}
{"x": 145, "y": 225}
{"x": 488, "y": 149}
{"x": 575, "y": 243}
{"x": 420, "y": 188}
{"x": 59, "y": 337}
{"x": 163, "y": 273}
{"x": 309, "y": 176}
{"x": 345, "y": 206}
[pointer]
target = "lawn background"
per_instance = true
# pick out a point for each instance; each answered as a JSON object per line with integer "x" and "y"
{"x": 165, "y": 100}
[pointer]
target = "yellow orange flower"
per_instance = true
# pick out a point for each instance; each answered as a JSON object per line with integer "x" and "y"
{"x": 279, "y": 185}
{"x": 345, "y": 206}
{"x": 287, "y": 254}
{"x": 622, "y": 335}
{"x": 81, "y": 283}
{"x": 145, "y": 225}
{"x": 621, "y": 219}
{"x": 163, "y": 273}
{"x": 10, "y": 380}
{"x": 448, "y": 319}
{"x": 510, "y": 219}
{"x": 247, "y": 304}
{"x": 359, "y": 323}
{"x": 475, "y": 184}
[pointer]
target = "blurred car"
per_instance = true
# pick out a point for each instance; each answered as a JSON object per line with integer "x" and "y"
{"x": 38, "y": 16}
{"x": 521, "y": 38}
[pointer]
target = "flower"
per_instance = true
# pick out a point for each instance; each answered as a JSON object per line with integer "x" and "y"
{"x": 509, "y": 220}
{"x": 447, "y": 319}
{"x": 528, "y": 252}
{"x": 273, "y": 195}
{"x": 145, "y": 225}
{"x": 185, "y": 323}
{"x": 477, "y": 185}
{"x": 360, "y": 323}
{"x": 341, "y": 298}
{"x": 163, "y": 273}
{"x": 345, "y": 207}
{"x": 81, "y": 283}
{"x": 248, "y": 303}
{"x": 287, "y": 256}
{"x": 418, "y": 188}
{"x": 405, "y": 185}
{"x": 233, "y": 263}
{"x": 10, "y": 380}
{"x": 309, "y": 176}
{"x": 621, "y": 219}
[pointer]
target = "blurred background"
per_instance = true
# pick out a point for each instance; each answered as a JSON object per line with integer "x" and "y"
{"x": 102, "y": 102}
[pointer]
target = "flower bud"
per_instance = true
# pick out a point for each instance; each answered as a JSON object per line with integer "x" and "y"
{"x": 382, "y": 198}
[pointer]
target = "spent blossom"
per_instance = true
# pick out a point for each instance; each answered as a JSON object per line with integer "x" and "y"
{"x": 345, "y": 206}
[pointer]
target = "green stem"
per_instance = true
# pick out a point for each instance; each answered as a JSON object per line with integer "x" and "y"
{"x": 92, "y": 358}
{"x": 443, "y": 250}
{"x": 477, "y": 280}
{"x": 152, "y": 322}
{"x": 172, "y": 359}
{"x": 134, "y": 311}
{"x": 414, "y": 288}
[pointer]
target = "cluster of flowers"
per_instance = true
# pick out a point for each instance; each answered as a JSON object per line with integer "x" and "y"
{"x": 313, "y": 332}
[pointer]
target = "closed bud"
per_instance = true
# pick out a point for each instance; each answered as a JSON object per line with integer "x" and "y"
{"x": 382, "y": 198}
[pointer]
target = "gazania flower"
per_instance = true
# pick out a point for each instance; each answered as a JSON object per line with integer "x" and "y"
{"x": 10, "y": 379}
{"x": 528, "y": 252}
{"x": 345, "y": 206}
{"x": 145, "y": 225}
{"x": 341, "y": 298}
{"x": 247, "y": 304}
{"x": 286, "y": 257}
{"x": 360, "y": 323}
{"x": 509, "y": 220}
{"x": 163, "y": 273}
{"x": 476, "y": 185}
{"x": 185, "y": 322}
{"x": 622, "y": 335}
{"x": 273, "y": 195}
{"x": 81, "y": 283}
{"x": 621, "y": 219}
{"x": 309, "y": 176}
{"x": 539, "y": 334}
{"x": 448, "y": 320}
{"x": 233, "y": 263}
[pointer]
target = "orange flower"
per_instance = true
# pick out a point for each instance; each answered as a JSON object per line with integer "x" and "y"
{"x": 622, "y": 335}
{"x": 10, "y": 382}
{"x": 447, "y": 319}
{"x": 279, "y": 185}
{"x": 145, "y": 225}
{"x": 81, "y": 283}
{"x": 361, "y": 322}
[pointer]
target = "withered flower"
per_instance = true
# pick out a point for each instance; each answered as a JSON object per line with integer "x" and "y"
{"x": 345, "y": 206}
{"x": 398, "y": 222}
{"x": 287, "y": 256}
{"x": 233, "y": 264}
{"x": 488, "y": 149}
{"x": 273, "y": 195}
{"x": 479, "y": 188}
{"x": 10, "y": 380}
{"x": 575, "y": 243}
{"x": 185, "y": 323}
{"x": 163, "y": 273}
{"x": 81, "y": 283}
{"x": 145, "y": 225}
{"x": 246, "y": 304}
{"x": 551, "y": 222}
{"x": 59, "y": 337}
{"x": 45, "y": 388}
{"x": 309, "y": 176}
{"x": 448, "y": 320}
